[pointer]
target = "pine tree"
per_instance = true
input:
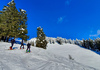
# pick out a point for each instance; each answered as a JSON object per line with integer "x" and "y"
{"x": 12, "y": 22}
{"x": 41, "y": 38}
{"x": 3, "y": 25}
{"x": 87, "y": 44}
{"x": 0, "y": 16}
{"x": 91, "y": 44}
{"x": 13, "y": 19}
{"x": 23, "y": 26}
{"x": 83, "y": 44}
{"x": 0, "y": 24}
{"x": 59, "y": 40}
{"x": 97, "y": 43}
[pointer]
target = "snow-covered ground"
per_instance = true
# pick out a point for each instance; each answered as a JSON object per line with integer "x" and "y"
{"x": 55, "y": 57}
{"x": 81, "y": 55}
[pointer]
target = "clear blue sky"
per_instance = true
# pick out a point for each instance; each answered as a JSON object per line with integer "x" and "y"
{"x": 64, "y": 18}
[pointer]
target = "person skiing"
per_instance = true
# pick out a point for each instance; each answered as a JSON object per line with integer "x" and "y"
{"x": 28, "y": 47}
{"x": 12, "y": 43}
{"x": 22, "y": 45}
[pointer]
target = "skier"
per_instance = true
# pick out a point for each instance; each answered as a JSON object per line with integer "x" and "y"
{"x": 12, "y": 43}
{"x": 28, "y": 47}
{"x": 22, "y": 45}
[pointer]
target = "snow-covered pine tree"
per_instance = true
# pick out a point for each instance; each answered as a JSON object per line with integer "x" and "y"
{"x": 11, "y": 22}
{"x": 91, "y": 44}
{"x": 13, "y": 19}
{"x": 97, "y": 43}
{"x": 66, "y": 41}
{"x": 23, "y": 26}
{"x": 83, "y": 43}
{"x": 59, "y": 40}
{"x": 87, "y": 44}
{"x": 41, "y": 38}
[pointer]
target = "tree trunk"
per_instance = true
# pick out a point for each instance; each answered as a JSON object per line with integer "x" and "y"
{"x": 4, "y": 38}
{"x": 7, "y": 38}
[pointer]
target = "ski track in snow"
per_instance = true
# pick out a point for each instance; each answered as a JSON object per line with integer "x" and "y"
{"x": 38, "y": 59}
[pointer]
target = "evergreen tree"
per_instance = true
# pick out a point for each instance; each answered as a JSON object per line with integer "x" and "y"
{"x": 87, "y": 44}
{"x": 0, "y": 16}
{"x": 91, "y": 44}
{"x": 41, "y": 38}
{"x": 3, "y": 25}
{"x": 83, "y": 44}
{"x": 13, "y": 22}
{"x": 23, "y": 26}
{"x": 59, "y": 40}
{"x": 97, "y": 42}
{"x": 10, "y": 24}
{"x": 12, "y": 19}
{"x": 0, "y": 23}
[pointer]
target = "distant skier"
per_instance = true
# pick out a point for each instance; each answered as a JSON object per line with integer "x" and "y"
{"x": 12, "y": 43}
{"x": 28, "y": 47}
{"x": 22, "y": 45}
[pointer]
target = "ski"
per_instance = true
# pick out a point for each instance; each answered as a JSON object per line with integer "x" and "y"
{"x": 27, "y": 51}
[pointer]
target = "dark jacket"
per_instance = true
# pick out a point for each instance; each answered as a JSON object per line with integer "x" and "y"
{"x": 12, "y": 41}
{"x": 22, "y": 43}
{"x": 28, "y": 45}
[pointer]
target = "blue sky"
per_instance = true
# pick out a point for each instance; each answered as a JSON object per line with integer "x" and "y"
{"x": 69, "y": 19}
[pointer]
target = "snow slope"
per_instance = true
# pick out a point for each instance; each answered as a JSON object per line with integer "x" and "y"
{"x": 81, "y": 55}
{"x": 54, "y": 58}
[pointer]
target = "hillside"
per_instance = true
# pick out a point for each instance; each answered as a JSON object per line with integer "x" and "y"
{"x": 81, "y": 55}
{"x": 54, "y": 58}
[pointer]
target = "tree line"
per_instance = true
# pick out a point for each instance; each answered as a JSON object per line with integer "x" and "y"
{"x": 88, "y": 43}
{"x": 92, "y": 44}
